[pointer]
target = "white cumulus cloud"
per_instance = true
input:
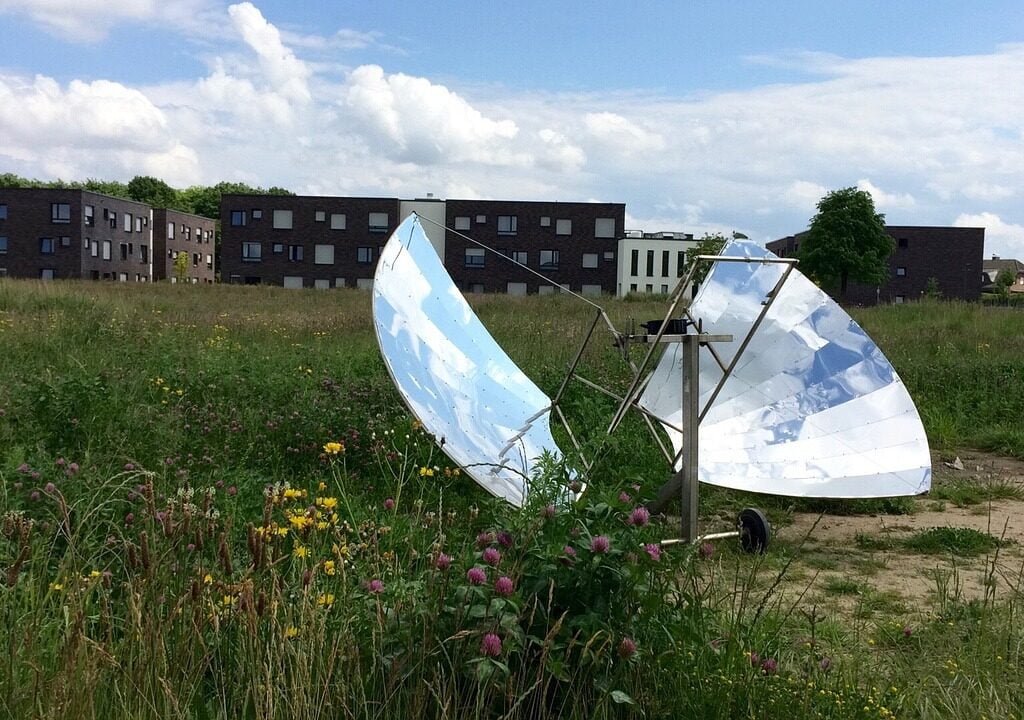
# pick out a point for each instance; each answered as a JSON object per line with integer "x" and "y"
{"x": 1001, "y": 238}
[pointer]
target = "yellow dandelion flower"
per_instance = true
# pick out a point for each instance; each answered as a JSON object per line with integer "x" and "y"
{"x": 291, "y": 632}
{"x": 228, "y": 600}
{"x": 208, "y": 579}
{"x": 322, "y": 486}
{"x": 300, "y": 522}
{"x": 292, "y": 493}
{"x": 325, "y": 600}
{"x": 333, "y": 448}
{"x": 322, "y": 525}
{"x": 301, "y": 551}
{"x": 56, "y": 586}
{"x": 328, "y": 503}
{"x": 282, "y": 531}
{"x": 95, "y": 574}
{"x": 329, "y": 567}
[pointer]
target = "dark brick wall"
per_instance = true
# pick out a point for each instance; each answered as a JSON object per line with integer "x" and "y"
{"x": 29, "y": 220}
{"x": 193, "y": 235}
{"x": 951, "y": 255}
{"x": 306, "y": 233}
{"x": 532, "y": 237}
{"x": 136, "y": 263}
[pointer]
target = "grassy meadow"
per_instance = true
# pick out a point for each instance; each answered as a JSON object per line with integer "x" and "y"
{"x": 213, "y": 504}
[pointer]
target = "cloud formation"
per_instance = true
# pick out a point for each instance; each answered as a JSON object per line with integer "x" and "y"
{"x": 931, "y": 138}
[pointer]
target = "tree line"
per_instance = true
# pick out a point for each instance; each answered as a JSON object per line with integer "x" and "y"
{"x": 201, "y": 200}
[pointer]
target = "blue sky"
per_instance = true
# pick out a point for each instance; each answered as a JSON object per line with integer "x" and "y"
{"x": 700, "y": 116}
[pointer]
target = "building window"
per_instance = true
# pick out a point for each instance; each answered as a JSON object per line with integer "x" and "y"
{"x": 209, "y": 262}
{"x": 590, "y": 260}
{"x": 520, "y": 256}
{"x": 322, "y": 284}
{"x": 3, "y": 272}
{"x": 474, "y": 257}
{"x": 188, "y": 233}
{"x": 364, "y": 255}
{"x": 293, "y": 282}
{"x": 481, "y": 219}
{"x": 257, "y": 214}
{"x": 277, "y": 248}
{"x": 282, "y": 219}
{"x": 609, "y": 255}
{"x": 634, "y": 262}
{"x": 195, "y": 260}
{"x": 124, "y": 251}
{"x": 138, "y": 224}
{"x": 462, "y": 222}
{"x": 106, "y": 249}
{"x": 515, "y": 288}
{"x": 649, "y": 288}
{"x": 3, "y": 245}
{"x": 545, "y": 289}
{"x": 590, "y": 290}
{"x": 545, "y": 221}
{"x": 60, "y": 212}
{"x": 900, "y": 299}
{"x": 632, "y": 286}
{"x": 507, "y": 224}
{"x": 604, "y": 228}
{"x": 94, "y": 248}
{"x": 237, "y": 218}
{"x": 127, "y": 227}
{"x": 378, "y": 222}
{"x": 252, "y": 252}
{"x": 664, "y": 262}
{"x": 903, "y": 242}
{"x": 680, "y": 263}
{"x": 338, "y": 221}
{"x": 901, "y": 272}
{"x": 320, "y": 216}
{"x": 87, "y": 212}
{"x": 46, "y": 274}
{"x": 548, "y": 259}
{"x": 664, "y": 289}
{"x": 143, "y": 253}
{"x": 650, "y": 266}
{"x": 364, "y": 283}
{"x": 170, "y": 230}
{"x": 563, "y": 227}
{"x": 476, "y": 288}
{"x": 323, "y": 254}
{"x": 47, "y": 246}
{"x": 295, "y": 253}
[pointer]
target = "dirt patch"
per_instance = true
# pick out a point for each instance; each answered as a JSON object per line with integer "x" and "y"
{"x": 857, "y": 562}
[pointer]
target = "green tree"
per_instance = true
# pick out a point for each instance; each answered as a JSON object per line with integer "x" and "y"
{"x": 846, "y": 241}
{"x": 152, "y": 191}
{"x": 710, "y": 244}
{"x": 1004, "y": 279}
{"x": 181, "y": 266}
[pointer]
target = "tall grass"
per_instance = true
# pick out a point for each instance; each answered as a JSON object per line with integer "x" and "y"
{"x": 179, "y": 537}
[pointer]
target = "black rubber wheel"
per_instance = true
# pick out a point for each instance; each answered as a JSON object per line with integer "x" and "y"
{"x": 755, "y": 530}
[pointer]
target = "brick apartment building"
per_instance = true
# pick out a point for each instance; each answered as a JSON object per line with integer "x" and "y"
{"x": 307, "y": 241}
{"x": 953, "y": 256}
{"x": 571, "y": 244}
{"x": 304, "y": 241}
{"x": 177, "y": 232}
{"x": 51, "y": 233}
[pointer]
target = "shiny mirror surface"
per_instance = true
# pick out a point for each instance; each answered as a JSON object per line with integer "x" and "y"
{"x": 812, "y": 408}
{"x": 483, "y": 411}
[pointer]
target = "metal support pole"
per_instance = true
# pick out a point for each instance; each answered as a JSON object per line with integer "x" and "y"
{"x": 691, "y": 432}
{"x": 684, "y": 483}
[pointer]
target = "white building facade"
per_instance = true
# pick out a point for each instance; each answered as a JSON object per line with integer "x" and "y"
{"x": 652, "y": 263}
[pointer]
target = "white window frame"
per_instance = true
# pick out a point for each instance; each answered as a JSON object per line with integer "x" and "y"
{"x": 323, "y": 254}
{"x": 339, "y": 221}
{"x": 282, "y": 220}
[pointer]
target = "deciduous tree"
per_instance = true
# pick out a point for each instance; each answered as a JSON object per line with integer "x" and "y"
{"x": 846, "y": 241}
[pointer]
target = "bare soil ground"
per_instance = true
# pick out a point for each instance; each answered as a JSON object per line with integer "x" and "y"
{"x": 856, "y": 563}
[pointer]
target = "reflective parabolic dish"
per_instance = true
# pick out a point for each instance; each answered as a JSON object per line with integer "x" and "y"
{"x": 812, "y": 409}
{"x": 486, "y": 414}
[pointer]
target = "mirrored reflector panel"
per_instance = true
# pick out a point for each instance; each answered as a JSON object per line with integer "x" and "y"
{"x": 485, "y": 413}
{"x": 812, "y": 408}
